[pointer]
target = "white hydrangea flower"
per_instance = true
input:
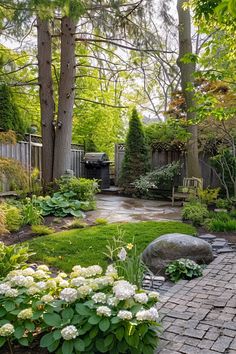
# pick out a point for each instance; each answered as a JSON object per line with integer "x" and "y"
{"x": 83, "y": 291}
{"x": 21, "y": 280}
{"x": 64, "y": 283}
{"x": 69, "y": 332}
{"x": 99, "y": 297}
{"x": 141, "y": 298}
{"x": 147, "y": 315}
{"x": 69, "y": 295}
{"x": 25, "y": 314}
{"x": 86, "y": 272}
{"x": 32, "y": 290}
{"x": 111, "y": 271}
{"x": 28, "y": 271}
{"x": 104, "y": 311}
{"x": 4, "y": 288}
{"x": 14, "y": 273}
{"x": 125, "y": 315}
{"x": 12, "y": 293}
{"x": 62, "y": 275}
{"x": 43, "y": 267}
{"x": 122, "y": 254}
{"x": 47, "y": 298}
{"x": 6, "y": 330}
{"x": 123, "y": 290}
{"x": 95, "y": 270}
{"x": 40, "y": 274}
{"x": 153, "y": 295}
{"x": 78, "y": 281}
{"x": 112, "y": 301}
{"x": 102, "y": 282}
{"x": 51, "y": 284}
{"x": 42, "y": 285}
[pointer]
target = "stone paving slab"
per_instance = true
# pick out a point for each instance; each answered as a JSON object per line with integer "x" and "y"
{"x": 199, "y": 316}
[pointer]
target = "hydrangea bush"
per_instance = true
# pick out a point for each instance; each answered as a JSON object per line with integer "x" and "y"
{"x": 86, "y": 311}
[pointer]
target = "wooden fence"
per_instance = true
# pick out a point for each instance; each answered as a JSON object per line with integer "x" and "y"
{"x": 163, "y": 156}
{"x": 30, "y": 155}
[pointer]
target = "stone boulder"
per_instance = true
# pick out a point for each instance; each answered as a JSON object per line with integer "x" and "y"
{"x": 170, "y": 247}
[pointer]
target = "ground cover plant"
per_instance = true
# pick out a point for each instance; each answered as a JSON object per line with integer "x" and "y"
{"x": 87, "y": 246}
{"x": 183, "y": 269}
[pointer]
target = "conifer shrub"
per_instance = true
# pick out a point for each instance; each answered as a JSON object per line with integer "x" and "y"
{"x": 10, "y": 118}
{"x": 136, "y": 159}
{"x": 14, "y": 173}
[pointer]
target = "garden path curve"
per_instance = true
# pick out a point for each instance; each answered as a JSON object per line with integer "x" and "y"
{"x": 199, "y": 316}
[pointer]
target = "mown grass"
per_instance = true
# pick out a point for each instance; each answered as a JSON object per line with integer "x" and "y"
{"x": 86, "y": 246}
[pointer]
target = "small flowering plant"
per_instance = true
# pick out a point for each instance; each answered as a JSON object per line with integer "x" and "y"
{"x": 83, "y": 312}
{"x": 183, "y": 269}
{"x": 126, "y": 259}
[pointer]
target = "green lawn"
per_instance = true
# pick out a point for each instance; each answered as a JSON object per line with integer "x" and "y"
{"x": 86, "y": 246}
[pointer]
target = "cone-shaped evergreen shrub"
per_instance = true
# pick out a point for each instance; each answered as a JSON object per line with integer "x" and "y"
{"x": 136, "y": 159}
{"x": 10, "y": 118}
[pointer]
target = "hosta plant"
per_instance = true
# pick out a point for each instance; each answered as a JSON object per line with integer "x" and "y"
{"x": 183, "y": 269}
{"x": 83, "y": 312}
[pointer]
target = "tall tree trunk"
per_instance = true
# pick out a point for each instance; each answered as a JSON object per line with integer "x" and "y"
{"x": 187, "y": 80}
{"x": 62, "y": 149}
{"x": 46, "y": 98}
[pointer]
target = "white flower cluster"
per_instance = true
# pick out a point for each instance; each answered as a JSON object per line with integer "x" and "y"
{"x": 104, "y": 311}
{"x": 111, "y": 271}
{"x": 25, "y": 314}
{"x": 123, "y": 290}
{"x": 125, "y": 315}
{"x": 141, "y": 298}
{"x": 86, "y": 272}
{"x": 147, "y": 315}
{"x": 99, "y": 297}
{"x": 84, "y": 291}
{"x": 11, "y": 293}
{"x": 69, "y": 332}
{"x": 22, "y": 281}
{"x": 78, "y": 281}
{"x": 6, "y": 330}
{"x": 4, "y": 287}
{"x": 69, "y": 295}
{"x": 47, "y": 298}
{"x": 153, "y": 295}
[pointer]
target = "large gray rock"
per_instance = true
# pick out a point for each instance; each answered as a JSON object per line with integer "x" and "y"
{"x": 170, "y": 247}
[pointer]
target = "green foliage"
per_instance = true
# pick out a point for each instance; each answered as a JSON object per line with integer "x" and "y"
{"x": 12, "y": 172}
{"x": 13, "y": 217}
{"x": 171, "y": 131}
{"x": 10, "y": 118}
{"x": 101, "y": 221}
{"x": 84, "y": 189}
{"x": 8, "y": 137}
{"x": 208, "y": 195}
{"x": 13, "y": 257}
{"x": 126, "y": 259}
{"x": 223, "y": 203}
{"x": 77, "y": 224}
{"x": 196, "y": 212}
{"x": 221, "y": 221}
{"x": 136, "y": 159}
{"x": 42, "y": 230}
{"x": 88, "y": 244}
{"x": 225, "y": 165}
{"x": 60, "y": 205}
{"x": 183, "y": 269}
{"x": 161, "y": 178}
{"x": 31, "y": 212}
{"x": 99, "y": 320}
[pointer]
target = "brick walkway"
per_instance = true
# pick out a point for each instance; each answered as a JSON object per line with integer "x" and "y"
{"x": 199, "y": 316}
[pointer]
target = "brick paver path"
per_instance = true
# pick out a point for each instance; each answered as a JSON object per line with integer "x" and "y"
{"x": 199, "y": 316}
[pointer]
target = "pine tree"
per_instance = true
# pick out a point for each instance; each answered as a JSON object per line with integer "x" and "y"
{"x": 10, "y": 118}
{"x": 136, "y": 159}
